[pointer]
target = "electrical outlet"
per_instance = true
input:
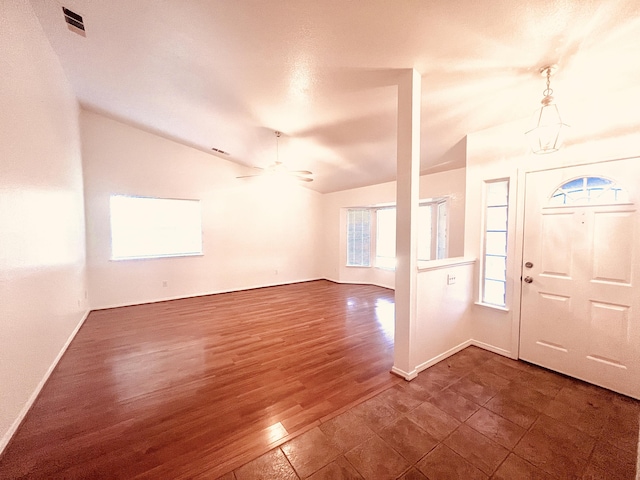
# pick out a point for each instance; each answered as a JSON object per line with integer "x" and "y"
{"x": 164, "y": 283}
{"x": 451, "y": 279}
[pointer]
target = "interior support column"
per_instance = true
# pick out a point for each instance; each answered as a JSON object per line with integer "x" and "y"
{"x": 407, "y": 200}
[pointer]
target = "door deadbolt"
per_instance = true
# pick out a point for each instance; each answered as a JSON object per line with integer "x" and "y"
{"x": 528, "y": 280}
{"x": 528, "y": 264}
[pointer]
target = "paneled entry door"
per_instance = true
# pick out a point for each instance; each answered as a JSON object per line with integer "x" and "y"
{"x": 580, "y": 311}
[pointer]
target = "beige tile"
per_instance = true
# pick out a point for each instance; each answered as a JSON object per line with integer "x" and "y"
{"x": 623, "y": 423}
{"x": 514, "y": 364}
{"x": 489, "y": 379}
{"x": 399, "y": 398}
{"x": 515, "y": 468}
{"x": 505, "y": 406}
{"x": 432, "y": 420}
{"x": 375, "y": 460}
{"x": 496, "y": 428}
{"x": 437, "y": 377}
{"x": 462, "y": 362}
{"x": 442, "y": 463}
{"x": 482, "y": 453}
{"x": 587, "y": 419}
{"x": 558, "y": 449}
{"x": 272, "y": 464}
{"x": 339, "y": 469}
{"x": 408, "y": 439}
{"x": 528, "y": 397}
{"x": 413, "y": 474}
{"x": 480, "y": 354}
{"x": 454, "y": 404}
{"x": 310, "y": 452}
{"x": 616, "y": 462}
{"x": 416, "y": 390}
{"x": 510, "y": 369}
{"x": 375, "y": 413}
{"x": 346, "y": 431}
{"x": 570, "y": 438}
{"x": 546, "y": 381}
{"x": 473, "y": 391}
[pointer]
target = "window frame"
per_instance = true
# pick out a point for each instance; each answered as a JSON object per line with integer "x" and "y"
{"x": 371, "y": 243}
{"x": 440, "y": 227}
{"x": 116, "y": 228}
{"x": 484, "y": 277}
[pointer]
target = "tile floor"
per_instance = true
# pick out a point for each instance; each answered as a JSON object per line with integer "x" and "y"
{"x": 476, "y": 415}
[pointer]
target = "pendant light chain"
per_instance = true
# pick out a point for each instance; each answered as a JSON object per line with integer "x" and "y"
{"x": 548, "y": 92}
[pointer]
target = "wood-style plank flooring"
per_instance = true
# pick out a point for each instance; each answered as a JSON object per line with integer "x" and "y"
{"x": 197, "y": 387}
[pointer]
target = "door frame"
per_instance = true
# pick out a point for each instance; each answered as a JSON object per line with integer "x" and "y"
{"x": 518, "y": 228}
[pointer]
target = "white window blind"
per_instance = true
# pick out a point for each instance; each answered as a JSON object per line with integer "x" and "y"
{"x": 143, "y": 227}
{"x": 358, "y": 237}
{"x": 494, "y": 277}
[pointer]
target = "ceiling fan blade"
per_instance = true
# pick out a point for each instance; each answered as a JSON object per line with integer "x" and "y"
{"x": 248, "y": 176}
{"x": 305, "y": 179}
{"x": 301, "y": 172}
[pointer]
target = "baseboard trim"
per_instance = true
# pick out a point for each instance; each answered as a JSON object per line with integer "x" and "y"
{"x": 491, "y": 348}
{"x": 442, "y": 356}
{"x": 6, "y": 438}
{"x": 204, "y": 294}
{"x": 217, "y": 292}
{"x": 340, "y": 282}
{"x": 408, "y": 376}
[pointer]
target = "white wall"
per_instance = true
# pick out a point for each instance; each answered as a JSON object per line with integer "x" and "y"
{"x": 502, "y": 152}
{"x": 251, "y": 228}
{"x": 443, "y": 320}
{"x": 450, "y": 183}
{"x": 42, "y": 260}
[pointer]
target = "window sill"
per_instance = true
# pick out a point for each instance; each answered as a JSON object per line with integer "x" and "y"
{"x": 152, "y": 257}
{"x": 494, "y": 307}
{"x": 424, "y": 265}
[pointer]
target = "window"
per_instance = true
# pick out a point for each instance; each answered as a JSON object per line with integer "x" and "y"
{"x": 144, "y": 227}
{"x": 432, "y": 234}
{"x": 588, "y": 191}
{"x": 358, "y": 237}
{"x": 495, "y": 243}
{"x": 432, "y": 230}
{"x": 386, "y": 238}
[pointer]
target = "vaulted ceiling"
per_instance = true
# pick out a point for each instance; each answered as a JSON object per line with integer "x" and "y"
{"x": 227, "y": 73}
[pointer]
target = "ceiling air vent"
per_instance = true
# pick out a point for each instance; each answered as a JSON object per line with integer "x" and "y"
{"x": 74, "y": 22}
{"x": 217, "y": 150}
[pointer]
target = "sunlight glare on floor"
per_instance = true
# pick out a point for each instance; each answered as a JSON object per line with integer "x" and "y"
{"x": 275, "y": 432}
{"x": 385, "y": 315}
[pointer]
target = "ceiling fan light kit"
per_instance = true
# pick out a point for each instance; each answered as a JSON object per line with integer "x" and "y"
{"x": 278, "y": 168}
{"x": 546, "y": 133}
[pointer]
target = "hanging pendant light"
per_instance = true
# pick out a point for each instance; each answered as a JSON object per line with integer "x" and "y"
{"x": 547, "y": 129}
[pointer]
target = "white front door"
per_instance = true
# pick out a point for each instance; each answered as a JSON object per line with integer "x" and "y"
{"x": 580, "y": 312}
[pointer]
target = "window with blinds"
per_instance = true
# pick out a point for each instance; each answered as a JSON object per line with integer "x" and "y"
{"x": 494, "y": 277}
{"x": 358, "y": 237}
{"x": 143, "y": 227}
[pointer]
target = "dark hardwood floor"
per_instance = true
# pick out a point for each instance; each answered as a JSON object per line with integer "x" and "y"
{"x": 197, "y": 387}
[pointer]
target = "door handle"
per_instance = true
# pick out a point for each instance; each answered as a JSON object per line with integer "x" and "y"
{"x": 528, "y": 280}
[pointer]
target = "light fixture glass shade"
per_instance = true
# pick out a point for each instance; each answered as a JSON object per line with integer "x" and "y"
{"x": 547, "y": 130}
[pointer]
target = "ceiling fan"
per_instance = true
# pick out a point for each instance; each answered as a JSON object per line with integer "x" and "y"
{"x": 278, "y": 168}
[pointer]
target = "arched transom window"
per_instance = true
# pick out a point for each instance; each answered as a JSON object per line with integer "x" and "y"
{"x": 589, "y": 191}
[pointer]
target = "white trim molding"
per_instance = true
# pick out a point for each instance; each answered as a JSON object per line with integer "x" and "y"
{"x": 34, "y": 395}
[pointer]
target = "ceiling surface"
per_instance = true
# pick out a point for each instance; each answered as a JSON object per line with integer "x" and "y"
{"x": 228, "y": 73}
